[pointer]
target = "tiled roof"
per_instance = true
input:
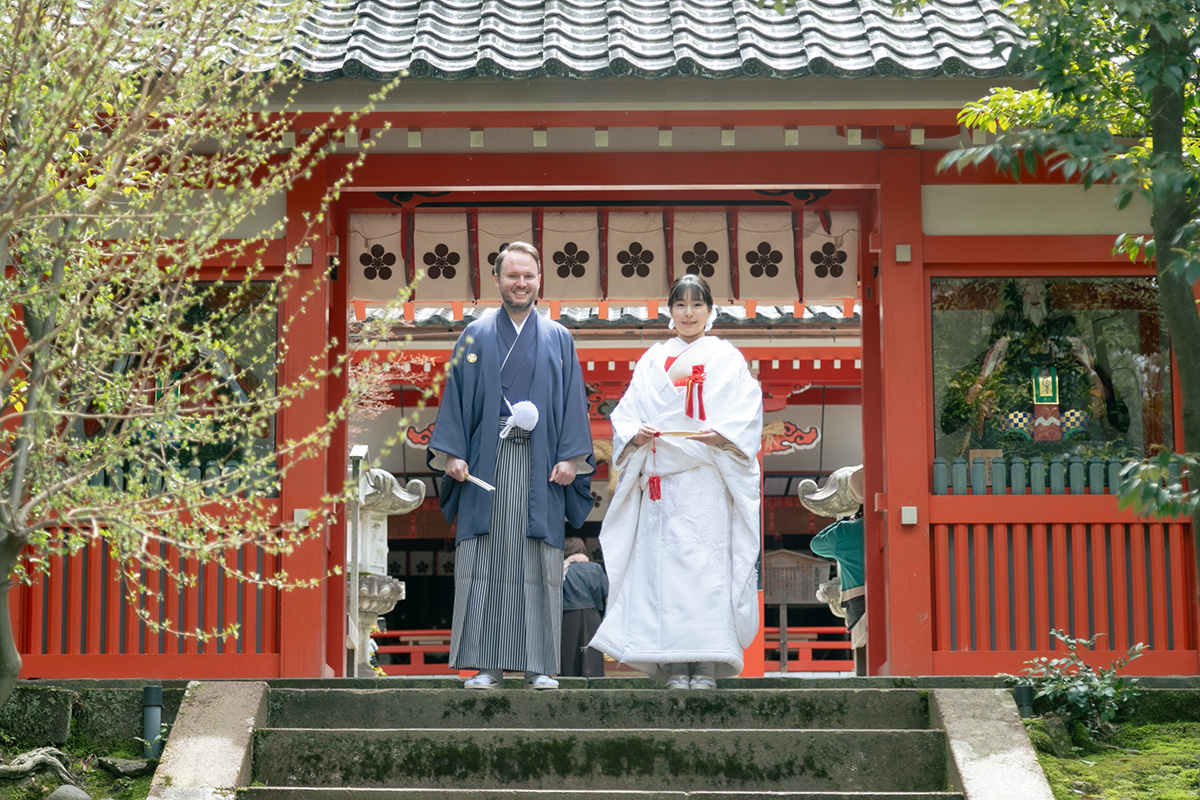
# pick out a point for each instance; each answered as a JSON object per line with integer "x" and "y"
{"x": 820, "y": 318}
{"x": 520, "y": 39}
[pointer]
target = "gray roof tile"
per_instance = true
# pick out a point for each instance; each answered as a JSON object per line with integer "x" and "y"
{"x": 521, "y": 39}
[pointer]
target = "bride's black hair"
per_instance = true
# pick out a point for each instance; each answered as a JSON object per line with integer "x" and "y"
{"x": 690, "y": 287}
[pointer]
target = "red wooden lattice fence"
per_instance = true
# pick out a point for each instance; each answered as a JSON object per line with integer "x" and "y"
{"x": 1005, "y": 570}
{"x": 1008, "y": 570}
{"x": 78, "y": 621}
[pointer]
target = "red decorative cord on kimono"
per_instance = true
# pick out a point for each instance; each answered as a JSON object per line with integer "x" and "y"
{"x": 695, "y": 389}
{"x": 654, "y": 484}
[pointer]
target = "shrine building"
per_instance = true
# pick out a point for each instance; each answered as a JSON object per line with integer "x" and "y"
{"x": 791, "y": 159}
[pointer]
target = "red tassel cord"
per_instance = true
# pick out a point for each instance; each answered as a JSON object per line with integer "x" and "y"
{"x": 654, "y": 484}
{"x": 695, "y": 393}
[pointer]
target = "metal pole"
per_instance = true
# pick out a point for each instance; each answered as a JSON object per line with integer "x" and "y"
{"x": 783, "y": 640}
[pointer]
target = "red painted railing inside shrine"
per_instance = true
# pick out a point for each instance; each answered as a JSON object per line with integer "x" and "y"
{"x": 808, "y": 652}
{"x": 1008, "y": 569}
{"x": 427, "y": 652}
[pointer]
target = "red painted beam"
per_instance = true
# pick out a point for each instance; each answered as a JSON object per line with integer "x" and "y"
{"x": 1152, "y": 662}
{"x": 611, "y": 171}
{"x": 270, "y": 253}
{"x": 161, "y": 666}
{"x": 765, "y": 355}
{"x": 933, "y": 175}
{"x": 587, "y": 200}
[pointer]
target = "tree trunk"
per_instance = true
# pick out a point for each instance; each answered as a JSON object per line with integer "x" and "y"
{"x": 10, "y": 658}
{"x": 1172, "y": 210}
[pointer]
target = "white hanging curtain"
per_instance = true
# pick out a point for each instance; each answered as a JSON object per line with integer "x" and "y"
{"x": 375, "y": 252}
{"x": 767, "y": 256}
{"x": 570, "y": 255}
{"x": 637, "y": 256}
{"x": 602, "y": 496}
{"x": 494, "y": 232}
{"x": 830, "y": 257}
{"x": 420, "y": 562}
{"x": 701, "y": 247}
{"x": 442, "y": 257}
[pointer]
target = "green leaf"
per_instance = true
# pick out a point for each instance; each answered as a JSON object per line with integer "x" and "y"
{"x": 1031, "y": 161}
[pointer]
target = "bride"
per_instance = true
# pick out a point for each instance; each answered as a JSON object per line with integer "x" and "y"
{"x": 681, "y": 536}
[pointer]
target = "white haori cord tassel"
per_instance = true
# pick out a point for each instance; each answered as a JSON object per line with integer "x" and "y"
{"x": 524, "y": 415}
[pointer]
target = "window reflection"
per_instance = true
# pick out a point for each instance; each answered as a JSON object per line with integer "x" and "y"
{"x": 1048, "y": 367}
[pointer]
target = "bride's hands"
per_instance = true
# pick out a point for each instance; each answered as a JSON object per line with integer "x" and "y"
{"x": 645, "y": 433}
{"x": 711, "y": 438}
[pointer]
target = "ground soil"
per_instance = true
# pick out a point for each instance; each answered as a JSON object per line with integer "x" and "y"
{"x": 88, "y": 775}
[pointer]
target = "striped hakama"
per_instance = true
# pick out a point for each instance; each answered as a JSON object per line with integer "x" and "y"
{"x": 507, "y": 587}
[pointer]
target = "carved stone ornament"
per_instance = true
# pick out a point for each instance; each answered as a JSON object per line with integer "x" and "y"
{"x": 377, "y": 595}
{"x": 378, "y": 490}
{"x": 840, "y": 496}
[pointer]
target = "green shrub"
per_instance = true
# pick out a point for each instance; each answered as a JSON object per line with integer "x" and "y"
{"x": 1072, "y": 687}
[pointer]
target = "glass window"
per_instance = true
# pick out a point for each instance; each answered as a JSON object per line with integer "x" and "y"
{"x": 232, "y": 358}
{"x": 1049, "y": 367}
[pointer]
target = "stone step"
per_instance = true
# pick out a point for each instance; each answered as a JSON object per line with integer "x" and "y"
{"x": 863, "y": 760}
{"x": 337, "y": 793}
{"x": 619, "y": 708}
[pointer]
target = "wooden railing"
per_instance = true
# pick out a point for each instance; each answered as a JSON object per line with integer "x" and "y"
{"x": 807, "y": 652}
{"x": 1006, "y": 570}
{"x": 415, "y": 652}
{"x": 427, "y": 652}
{"x": 78, "y": 620}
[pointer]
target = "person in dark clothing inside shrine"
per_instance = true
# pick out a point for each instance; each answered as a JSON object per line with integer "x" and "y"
{"x": 585, "y": 593}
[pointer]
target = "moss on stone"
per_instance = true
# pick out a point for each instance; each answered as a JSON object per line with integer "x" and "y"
{"x": 1038, "y": 736}
{"x": 1162, "y": 706}
{"x": 82, "y": 765}
{"x": 1156, "y": 761}
{"x": 35, "y": 716}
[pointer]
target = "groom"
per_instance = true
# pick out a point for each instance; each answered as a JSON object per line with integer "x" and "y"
{"x": 508, "y": 542}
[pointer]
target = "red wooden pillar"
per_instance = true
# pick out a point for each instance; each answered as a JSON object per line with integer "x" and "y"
{"x": 302, "y": 628}
{"x": 904, "y": 336}
{"x": 872, "y": 438}
{"x": 339, "y": 449}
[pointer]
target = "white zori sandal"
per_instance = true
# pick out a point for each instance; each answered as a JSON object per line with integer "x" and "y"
{"x": 485, "y": 679}
{"x": 679, "y": 677}
{"x": 703, "y": 675}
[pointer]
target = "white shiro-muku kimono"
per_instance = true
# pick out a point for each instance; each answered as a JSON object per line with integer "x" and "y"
{"x": 682, "y": 567}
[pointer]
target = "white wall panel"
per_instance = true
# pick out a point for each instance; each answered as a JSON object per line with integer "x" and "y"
{"x": 1028, "y": 211}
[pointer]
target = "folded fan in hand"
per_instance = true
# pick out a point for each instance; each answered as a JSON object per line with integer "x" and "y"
{"x": 524, "y": 416}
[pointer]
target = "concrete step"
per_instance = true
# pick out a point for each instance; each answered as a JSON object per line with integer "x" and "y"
{"x": 730, "y": 759}
{"x": 336, "y": 793}
{"x": 619, "y": 708}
